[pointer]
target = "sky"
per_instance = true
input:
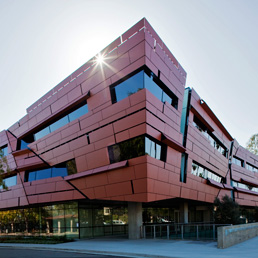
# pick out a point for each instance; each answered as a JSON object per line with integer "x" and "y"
{"x": 215, "y": 41}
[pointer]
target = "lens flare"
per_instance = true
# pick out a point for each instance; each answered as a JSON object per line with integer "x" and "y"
{"x": 99, "y": 59}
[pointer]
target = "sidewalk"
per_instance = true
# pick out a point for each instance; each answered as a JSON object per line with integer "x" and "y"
{"x": 151, "y": 248}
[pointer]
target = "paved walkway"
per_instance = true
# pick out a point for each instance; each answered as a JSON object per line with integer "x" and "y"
{"x": 152, "y": 248}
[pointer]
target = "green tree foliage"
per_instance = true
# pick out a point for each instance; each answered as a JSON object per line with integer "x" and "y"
{"x": 252, "y": 144}
{"x": 3, "y": 169}
{"x": 226, "y": 211}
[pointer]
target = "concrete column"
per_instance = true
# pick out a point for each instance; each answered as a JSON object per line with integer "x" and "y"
{"x": 134, "y": 220}
{"x": 184, "y": 212}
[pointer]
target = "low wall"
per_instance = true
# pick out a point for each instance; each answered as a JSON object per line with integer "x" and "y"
{"x": 232, "y": 235}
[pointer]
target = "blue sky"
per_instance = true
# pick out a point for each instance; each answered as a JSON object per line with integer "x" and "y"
{"x": 43, "y": 41}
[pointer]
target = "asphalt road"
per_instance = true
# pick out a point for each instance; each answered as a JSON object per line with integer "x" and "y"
{"x": 6, "y": 252}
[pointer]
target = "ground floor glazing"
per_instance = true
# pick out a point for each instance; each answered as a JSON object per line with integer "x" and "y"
{"x": 89, "y": 219}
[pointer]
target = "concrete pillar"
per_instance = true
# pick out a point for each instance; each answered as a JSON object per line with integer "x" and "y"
{"x": 184, "y": 212}
{"x": 134, "y": 220}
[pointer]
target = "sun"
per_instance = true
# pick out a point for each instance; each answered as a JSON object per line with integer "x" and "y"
{"x": 99, "y": 59}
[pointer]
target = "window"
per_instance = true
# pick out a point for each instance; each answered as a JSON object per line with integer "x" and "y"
{"x": 251, "y": 167}
{"x": 9, "y": 181}
{"x": 4, "y": 151}
{"x": 78, "y": 113}
{"x": 140, "y": 80}
{"x": 212, "y": 139}
{"x": 238, "y": 161}
{"x": 199, "y": 170}
{"x": 63, "y": 169}
{"x": 152, "y": 148}
{"x": 58, "y": 124}
{"x": 245, "y": 186}
{"x": 80, "y": 110}
{"x": 150, "y": 85}
{"x": 23, "y": 143}
{"x": 42, "y": 133}
{"x": 127, "y": 87}
{"x": 138, "y": 146}
{"x": 62, "y": 121}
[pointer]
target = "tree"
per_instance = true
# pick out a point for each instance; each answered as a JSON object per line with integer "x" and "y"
{"x": 252, "y": 144}
{"x": 226, "y": 211}
{"x": 3, "y": 169}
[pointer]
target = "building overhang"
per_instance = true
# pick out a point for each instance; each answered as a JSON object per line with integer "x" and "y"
{"x": 214, "y": 183}
{"x": 249, "y": 182}
{"x": 172, "y": 143}
{"x": 102, "y": 169}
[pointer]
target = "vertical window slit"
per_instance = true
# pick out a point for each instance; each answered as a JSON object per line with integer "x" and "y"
{"x": 88, "y": 139}
{"x": 132, "y": 186}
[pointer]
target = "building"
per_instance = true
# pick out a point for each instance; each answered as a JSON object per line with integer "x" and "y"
{"x": 119, "y": 143}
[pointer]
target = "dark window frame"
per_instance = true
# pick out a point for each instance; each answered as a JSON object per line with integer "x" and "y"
{"x": 222, "y": 179}
{"x": 245, "y": 186}
{"x": 60, "y": 165}
{"x": 112, "y": 159}
{"x": 197, "y": 123}
{"x": 156, "y": 80}
{"x": 234, "y": 158}
{"x": 22, "y": 143}
{"x": 253, "y": 168}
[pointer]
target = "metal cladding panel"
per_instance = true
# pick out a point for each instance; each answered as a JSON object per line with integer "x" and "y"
{"x": 86, "y": 139}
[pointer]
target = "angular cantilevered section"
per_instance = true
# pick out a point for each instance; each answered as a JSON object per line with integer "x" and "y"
{"x": 132, "y": 101}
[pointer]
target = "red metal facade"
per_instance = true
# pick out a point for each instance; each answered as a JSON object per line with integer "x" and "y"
{"x": 86, "y": 139}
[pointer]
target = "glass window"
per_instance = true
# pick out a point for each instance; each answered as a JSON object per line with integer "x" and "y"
{"x": 212, "y": 139}
{"x": 9, "y": 181}
{"x": 4, "y": 151}
{"x": 42, "y": 133}
{"x": 251, "y": 168}
{"x": 143, "y": 79}
{"x": 63, "y": 169}
{"x": 114, "y": 153}
{"x": 245, "y": 186}
{"x": 150, "y": 85}
{"x": 194, "y": 169}
{"x": 71, "y": 167}
{"x": 238, "y": 161}
{"x": 234, "y": 184}
{"x": 59, "y": 171}
{"x": 78, "y": 113}
{"x": 165, "y": 97}
{"x": 23, "y": 145}
{"x": 59, "y": 123}
{"x": 152, "y": 148}
{"x": 158, "y": 151}
{"x": 127, "y": 87}
{"x": 83, "y": 109}
{"x": 44, "y": 173}
{"x": 147, "y": 146}
{"x": 31, "y": 177}
{"x": 136, "y": 147}
{"x": 203, "y": 172}
{"x": 152, "y": 152}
